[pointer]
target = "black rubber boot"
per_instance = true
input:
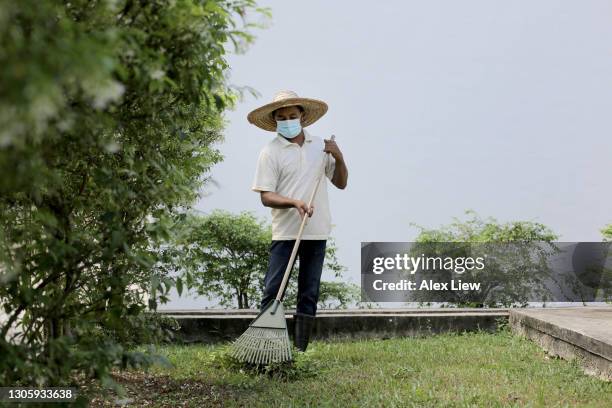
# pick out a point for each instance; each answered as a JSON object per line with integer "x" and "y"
{"x": 303, "y": 328}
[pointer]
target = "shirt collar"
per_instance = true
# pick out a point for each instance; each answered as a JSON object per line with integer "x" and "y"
{"x": 285, "y": 142}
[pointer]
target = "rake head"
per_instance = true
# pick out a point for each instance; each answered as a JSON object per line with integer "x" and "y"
{"x": 266, "y": 340}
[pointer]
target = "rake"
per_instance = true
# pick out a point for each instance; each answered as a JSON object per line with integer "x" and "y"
{"x": 266, "y": 340}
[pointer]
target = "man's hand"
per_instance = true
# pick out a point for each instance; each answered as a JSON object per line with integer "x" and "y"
{"x": 332, "y": 147}
{"x": 340, "y": 177}
{"x": 302, "y": 208}
{"x": 275, "y": 200}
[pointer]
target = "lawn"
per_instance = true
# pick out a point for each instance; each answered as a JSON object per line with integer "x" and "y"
{"x": 470, "y": 369}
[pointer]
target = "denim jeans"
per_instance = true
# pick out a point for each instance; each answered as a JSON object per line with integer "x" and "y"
{"x": 311, "y": 254}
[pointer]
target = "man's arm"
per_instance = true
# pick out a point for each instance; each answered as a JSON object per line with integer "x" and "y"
{"x": 340, "y": 177}
{"x": 275, "y": 200}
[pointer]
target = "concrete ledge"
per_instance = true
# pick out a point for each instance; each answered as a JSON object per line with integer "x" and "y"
{"x": 211, "y": 326}
{"x": 582, "y": 333}
{"x": 321, "y": 312}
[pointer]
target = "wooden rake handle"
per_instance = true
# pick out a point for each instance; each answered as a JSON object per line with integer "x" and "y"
{"x": 283, "y": 286}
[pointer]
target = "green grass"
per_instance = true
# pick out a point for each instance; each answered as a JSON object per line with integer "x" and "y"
{"x": 472, "y": 369}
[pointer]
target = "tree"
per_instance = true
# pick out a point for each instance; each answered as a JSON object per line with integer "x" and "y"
{"x": 516, "y": 265}
{"x": 109, "y": 115}
{"x": 225, "y": 256}
{"x": 607, "y": 232}
{"x": 334, "y": 295}
{"x": 607, "y": 237}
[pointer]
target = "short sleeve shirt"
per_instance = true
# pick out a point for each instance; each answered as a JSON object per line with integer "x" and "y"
{"x": 291, "y": 170}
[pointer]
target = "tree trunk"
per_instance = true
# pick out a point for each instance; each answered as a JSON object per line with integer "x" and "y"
{"x": 239, "y": 297}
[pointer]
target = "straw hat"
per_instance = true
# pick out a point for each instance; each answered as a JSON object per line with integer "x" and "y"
{"x": 262, "y": 116}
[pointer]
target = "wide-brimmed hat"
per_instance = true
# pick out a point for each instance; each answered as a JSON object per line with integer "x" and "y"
{"x": 262, "y": 116}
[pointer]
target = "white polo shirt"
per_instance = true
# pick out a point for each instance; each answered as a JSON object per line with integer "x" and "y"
{"x": 291, "y": 170}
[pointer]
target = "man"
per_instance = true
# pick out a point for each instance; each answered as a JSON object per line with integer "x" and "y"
{"x": 285, "y": 176}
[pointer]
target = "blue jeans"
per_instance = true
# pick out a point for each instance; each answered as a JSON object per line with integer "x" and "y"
{"x": 311, "y": 254}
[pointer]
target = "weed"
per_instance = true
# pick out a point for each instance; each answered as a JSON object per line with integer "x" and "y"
{"x": 304, "y": 365}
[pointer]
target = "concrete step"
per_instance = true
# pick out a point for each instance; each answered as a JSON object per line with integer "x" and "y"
{"x": 583, "y": 333}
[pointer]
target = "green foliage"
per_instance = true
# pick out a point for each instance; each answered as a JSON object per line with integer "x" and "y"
{"x": 302, "y": 366}
{"x": 338, "y": 295}
{"x": 109, "y": 113}
{"x": 502, "y": 325}
{"x": 469, "y": 369}
{"x": 225, "y": 256}
{"x": 513, "y": 270}
{"x": 607, "y": 233}
{"x": 145, "y": 328}
{"x": 476, "y": 229}
{"x": 607, "y": 291}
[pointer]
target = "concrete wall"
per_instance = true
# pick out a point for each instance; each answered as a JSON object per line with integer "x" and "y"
{"x": 211, "y": 327}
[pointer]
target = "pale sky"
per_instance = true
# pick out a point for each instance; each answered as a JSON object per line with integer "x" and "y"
{"x": 438, "y": 106}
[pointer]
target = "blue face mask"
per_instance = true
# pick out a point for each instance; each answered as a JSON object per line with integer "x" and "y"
{"x": 289, "y": 128}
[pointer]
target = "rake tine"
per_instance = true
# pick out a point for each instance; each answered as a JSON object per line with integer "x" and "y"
{"x": 266, "y": 339}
